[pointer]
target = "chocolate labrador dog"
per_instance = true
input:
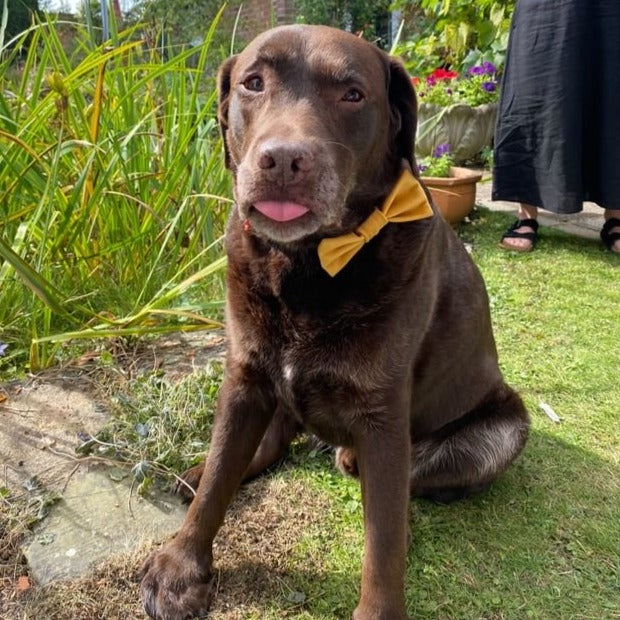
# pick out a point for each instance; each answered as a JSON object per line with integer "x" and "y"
{"x": 353, "y": 312}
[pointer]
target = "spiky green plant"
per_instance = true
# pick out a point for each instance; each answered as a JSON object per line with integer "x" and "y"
{"x": 112, "y": 189}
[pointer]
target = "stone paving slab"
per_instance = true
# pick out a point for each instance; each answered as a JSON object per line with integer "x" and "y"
{"x": 97, "y": 514}
{"x": 97, "y": 517}
{"x": 39, "y": 423}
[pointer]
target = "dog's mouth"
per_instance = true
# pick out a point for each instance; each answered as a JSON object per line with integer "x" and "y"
{"x": 281, "y": 211}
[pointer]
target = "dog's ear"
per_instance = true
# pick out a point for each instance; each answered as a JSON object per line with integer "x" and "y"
{"x": 223, "y": 93}
{"x": 403, "y": 111}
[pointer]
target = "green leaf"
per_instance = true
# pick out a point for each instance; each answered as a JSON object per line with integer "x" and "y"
{"x": 43, "y": 289}
{"x": 3, "y": 22}
{"x": 486, "y": 33}
{"x": 497, "y": 13}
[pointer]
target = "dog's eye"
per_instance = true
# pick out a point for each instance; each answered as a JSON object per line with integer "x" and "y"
{"x": 254, "y": 83}
{"x": 353, "y": 95}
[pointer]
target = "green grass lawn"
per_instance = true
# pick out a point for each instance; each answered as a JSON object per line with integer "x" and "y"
{"x": 545, "y": 541}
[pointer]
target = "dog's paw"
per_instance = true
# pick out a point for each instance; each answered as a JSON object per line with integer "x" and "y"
{"x": 188, "y": 482}
{"x": 346, "y": 461}
{"x": 176, "y": 585}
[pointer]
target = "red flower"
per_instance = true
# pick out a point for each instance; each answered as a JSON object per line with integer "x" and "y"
{"x": 415, "y": 80}
{"x": 444, "y": 74}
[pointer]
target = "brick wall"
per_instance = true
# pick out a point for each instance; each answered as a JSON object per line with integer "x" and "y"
{"x": 259, "y": 15}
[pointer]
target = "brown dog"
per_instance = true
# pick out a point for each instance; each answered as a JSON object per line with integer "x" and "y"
{"x": 391, "y": 357}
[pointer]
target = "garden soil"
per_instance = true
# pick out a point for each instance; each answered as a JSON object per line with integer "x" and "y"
{"x": 91, "y": 532}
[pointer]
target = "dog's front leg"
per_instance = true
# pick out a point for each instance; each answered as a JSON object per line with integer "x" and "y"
{"x": 177, "y": 579}
{"x": 383, "y": 459}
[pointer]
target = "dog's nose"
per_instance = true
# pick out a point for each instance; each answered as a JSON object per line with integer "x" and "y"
{"x": 284, "y": 160}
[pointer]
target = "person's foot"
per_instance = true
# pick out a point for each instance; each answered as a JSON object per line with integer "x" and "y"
{"x": 610, "y": 234}
{"x": 521, "y": 236}
{"x": 615, "y": 246}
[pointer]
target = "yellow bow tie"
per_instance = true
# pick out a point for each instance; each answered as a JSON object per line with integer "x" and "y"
{"x": 405, "y": 203}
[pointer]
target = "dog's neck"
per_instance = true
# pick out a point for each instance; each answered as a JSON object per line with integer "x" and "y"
{"x": 405, "y": 203}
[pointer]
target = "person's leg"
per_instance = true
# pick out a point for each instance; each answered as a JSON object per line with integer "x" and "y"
{"x": 613, "y": 214}
{"x": 512, "y": 240}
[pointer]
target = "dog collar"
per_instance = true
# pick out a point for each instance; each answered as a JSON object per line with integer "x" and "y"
{"x": 405, "y": 203}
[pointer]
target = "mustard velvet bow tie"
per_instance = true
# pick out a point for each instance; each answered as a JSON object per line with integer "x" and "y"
{"x": 405, "y": 203}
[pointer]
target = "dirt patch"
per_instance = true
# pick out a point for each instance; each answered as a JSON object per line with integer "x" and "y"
{"x": 252, "y": 553}
{"x": 176, "y": 355}
{"x": 43, "y": 420}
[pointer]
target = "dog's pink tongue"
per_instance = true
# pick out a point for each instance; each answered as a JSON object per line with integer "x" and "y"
{"x": 281, "y": 211}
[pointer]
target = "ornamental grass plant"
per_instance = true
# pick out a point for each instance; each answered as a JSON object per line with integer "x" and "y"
{"x": 112, "y": 190}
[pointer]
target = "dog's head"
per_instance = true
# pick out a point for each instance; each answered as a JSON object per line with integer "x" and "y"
{"x": 315, "y": 122}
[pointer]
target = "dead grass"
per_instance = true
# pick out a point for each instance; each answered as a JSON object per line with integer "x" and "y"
{"x": 12, "y": 566}
{"x": 253, "y": 561}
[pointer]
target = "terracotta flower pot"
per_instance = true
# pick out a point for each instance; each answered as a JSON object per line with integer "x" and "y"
{"x": 465, "y": 128}
{"x": 455, "y": 195}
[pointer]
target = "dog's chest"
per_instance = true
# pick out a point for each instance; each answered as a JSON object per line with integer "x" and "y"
{"x": 313, "y": 391}
{"x": 318, "y": 340}
{"x": 325, "y": 381}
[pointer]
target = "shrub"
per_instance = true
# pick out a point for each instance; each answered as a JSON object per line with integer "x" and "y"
{"x": 112, "y": 192}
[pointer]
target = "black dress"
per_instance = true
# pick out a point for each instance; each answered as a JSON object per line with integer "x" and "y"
{"x": 557, "y": 141}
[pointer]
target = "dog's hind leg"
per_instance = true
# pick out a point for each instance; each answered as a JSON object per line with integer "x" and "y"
{"x": 282, "y": 429}
{"x": 274, "y": 446}
{"x": 465, "y": 456}
{"x": 346, "y": 461}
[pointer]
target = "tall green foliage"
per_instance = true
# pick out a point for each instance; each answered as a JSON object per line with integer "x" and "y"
{"x": 112, "y": 192}
{"x": 354, "y": 15}
{"x": 455, "y": 33}
{"x": 181, "y": 23}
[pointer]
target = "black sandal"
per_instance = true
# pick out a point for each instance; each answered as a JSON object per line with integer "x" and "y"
{"x": 608, "y": 237}
{"x": 512, "y": 233}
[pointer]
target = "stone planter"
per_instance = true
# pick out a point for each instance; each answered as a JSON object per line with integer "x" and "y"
{"x": 455, "y": 195}
{"x": 465, "y": 128}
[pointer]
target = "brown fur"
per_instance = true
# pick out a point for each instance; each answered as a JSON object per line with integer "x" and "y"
{"x": 393, "y": 359}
